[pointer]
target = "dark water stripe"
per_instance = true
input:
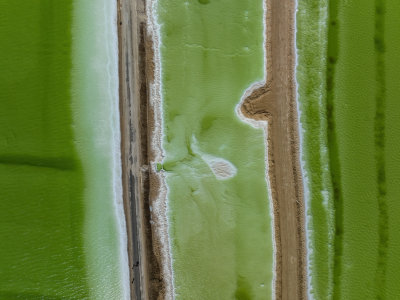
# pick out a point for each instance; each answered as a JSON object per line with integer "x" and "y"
{"x": 28, "y": 296}
{"x": 59, "y": 163}
{"x": 334, "y": 163}
{"x": 380, "y": 99}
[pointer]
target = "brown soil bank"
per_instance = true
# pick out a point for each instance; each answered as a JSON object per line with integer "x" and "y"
{"x": 135, "y": 71}
{"x": 276, "y": 102}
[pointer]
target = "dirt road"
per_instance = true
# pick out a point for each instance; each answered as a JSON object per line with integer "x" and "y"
{"x": 146, "y": 282}
{"x": 276, "y": 102}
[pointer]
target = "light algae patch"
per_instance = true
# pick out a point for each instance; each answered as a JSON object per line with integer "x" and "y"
{"x": 219, "y": 212}
{"x": 97, "y": 136}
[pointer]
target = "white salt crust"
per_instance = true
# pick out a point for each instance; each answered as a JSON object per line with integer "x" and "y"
{"x": 160, "y": 206}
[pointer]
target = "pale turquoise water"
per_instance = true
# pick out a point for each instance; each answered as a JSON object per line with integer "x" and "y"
{"x": 97, "y": 136}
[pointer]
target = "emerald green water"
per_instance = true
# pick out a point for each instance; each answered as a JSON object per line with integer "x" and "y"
{"x": 220, "y": 228}
{"x": 354, "y": 237}
{"x": 42, "y": 178}
{"x": 59, "y": 239}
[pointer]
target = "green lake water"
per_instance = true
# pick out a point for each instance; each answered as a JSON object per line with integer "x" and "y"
{"x": 348, "y": 95}
{"x": 61, "y": 227}
{"x": 220, "y": 228}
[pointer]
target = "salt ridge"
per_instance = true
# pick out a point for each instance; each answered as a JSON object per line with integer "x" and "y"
{"x": 160, "y": 204}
